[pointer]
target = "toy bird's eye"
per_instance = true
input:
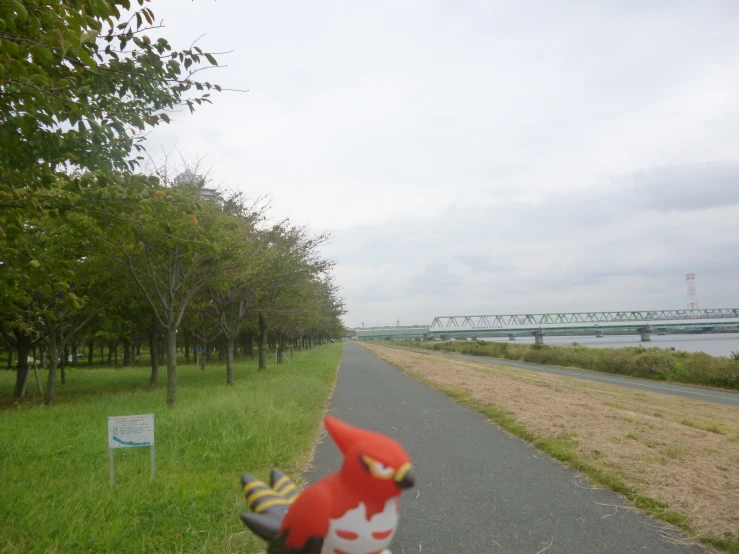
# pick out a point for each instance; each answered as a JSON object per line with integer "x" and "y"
{"x": 382, "y": 470}
{"x": 378, "y": 469}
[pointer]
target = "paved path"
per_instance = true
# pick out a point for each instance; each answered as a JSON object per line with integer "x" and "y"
{"x": 478, "y": 490}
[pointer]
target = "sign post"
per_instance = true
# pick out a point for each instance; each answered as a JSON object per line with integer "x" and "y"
{"x": 130, "y": 432}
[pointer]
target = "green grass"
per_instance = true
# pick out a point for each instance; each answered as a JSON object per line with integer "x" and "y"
{"x": 615, "y": 404}
{"x": 650, "y": 363}
{"x": 55, "y": 494}
{"x": 710, "y": 426}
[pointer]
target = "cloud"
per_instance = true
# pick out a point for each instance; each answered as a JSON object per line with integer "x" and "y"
{"x": 598, "y": 249}
{"x": 484, "y": 156}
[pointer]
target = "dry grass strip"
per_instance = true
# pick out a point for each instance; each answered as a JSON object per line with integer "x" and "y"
{"x": 682, "y": 452}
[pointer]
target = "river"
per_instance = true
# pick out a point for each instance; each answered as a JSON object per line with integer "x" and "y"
{"x": 715, "y": 345}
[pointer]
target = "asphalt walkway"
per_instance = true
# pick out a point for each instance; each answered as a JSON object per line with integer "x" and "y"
{"x": 478, "y": 490}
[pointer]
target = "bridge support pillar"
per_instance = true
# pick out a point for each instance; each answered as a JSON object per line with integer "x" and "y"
{"x": 646, "y": 335}
{"x": 599, "y": 334}
{"x": 511, "y": 336}
{"x": 539, "y": 337}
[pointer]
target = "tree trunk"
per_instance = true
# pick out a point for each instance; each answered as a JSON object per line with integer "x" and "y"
{"x": 154, "y": 354}
{"x": 230, "y": 379}
{"x": 172, "y": 367}
{"x": 102, "y": 352}
{"x": 10, "y": 358}
{"x": 250, "y": 345}
{"x": 186, "y": 339}
{"x": 74, "y": 353}
{"x": 161, "y": 350}
{"x": 22, "y": 372}
{"x": 138, "y": 350}
{"x": 127, "y": 352}
{"x": 63, "y": 366}
{"x": 53, "y": 361}
{"x": 115, "y": 353}
{"x": 262, "y": 342}
{"x": 90, "y": 348}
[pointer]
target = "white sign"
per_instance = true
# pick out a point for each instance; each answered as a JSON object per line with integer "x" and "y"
{"x": 131, "y": 431}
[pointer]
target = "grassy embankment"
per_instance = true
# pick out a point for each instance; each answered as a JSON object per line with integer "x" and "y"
{"x": 54, "y": 489}
{"x": 677, "y": 459}
{"x": 652, "y": 363}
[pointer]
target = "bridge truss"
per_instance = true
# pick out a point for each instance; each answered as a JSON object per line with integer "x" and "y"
{"x": 586, "y": 319}
{"x": 390, "y": 327}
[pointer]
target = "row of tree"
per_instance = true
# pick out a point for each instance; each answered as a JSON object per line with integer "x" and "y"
{"x": 179, "y": 271}
{"x": 92, "y": 246}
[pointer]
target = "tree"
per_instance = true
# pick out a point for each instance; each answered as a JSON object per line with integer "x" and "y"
{"x": 233, "y": 295}
{"x": 64, "y": 307}
{"x": 53, "y": 301}
{"x": 203, "y": 327}
{"x": 292, "y": 259}
{"x": 170, "y": 256}
{"x": 78, "y": 88}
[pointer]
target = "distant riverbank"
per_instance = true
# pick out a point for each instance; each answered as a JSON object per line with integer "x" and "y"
{"x": 672, "y": 362}
{"x": 713, "y": 344}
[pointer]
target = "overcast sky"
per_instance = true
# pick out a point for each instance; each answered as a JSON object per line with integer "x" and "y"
{"x": 481, "y": 156}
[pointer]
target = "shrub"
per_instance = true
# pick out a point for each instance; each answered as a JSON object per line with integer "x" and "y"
{"x": 652, "y": 363}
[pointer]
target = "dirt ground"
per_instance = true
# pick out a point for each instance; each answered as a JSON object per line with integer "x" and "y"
{"x": 679, "y": 451}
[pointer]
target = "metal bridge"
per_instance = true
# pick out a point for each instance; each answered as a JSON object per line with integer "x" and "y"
{"x": 642, "y": 321}
{"x": 584, "y": 320}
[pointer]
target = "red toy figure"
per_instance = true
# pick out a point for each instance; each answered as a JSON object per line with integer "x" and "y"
{"x": 352, "y": 511}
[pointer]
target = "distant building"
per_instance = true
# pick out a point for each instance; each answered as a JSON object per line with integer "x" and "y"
{"x": 188, "y": 176}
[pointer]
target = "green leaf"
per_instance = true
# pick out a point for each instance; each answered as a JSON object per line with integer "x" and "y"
{"x": 20, "y": 10}
{"x": 18, "y": 68}
{"x": 10, "y": 47}
{"x": 42, "y": 54}
{"x": 86, "y": 58}
{"x": 39, "y": 80}
{"x": 211, "y": 59}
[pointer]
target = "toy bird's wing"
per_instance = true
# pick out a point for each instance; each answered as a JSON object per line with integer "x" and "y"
{"x": 268, "y": 503}
{"x": 306, "y": 522}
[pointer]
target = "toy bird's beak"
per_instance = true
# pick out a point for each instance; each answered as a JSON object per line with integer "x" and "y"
{"x": 405, "y": 478}
{"x": 408, "y": 481}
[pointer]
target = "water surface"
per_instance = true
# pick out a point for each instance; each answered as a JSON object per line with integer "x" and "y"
{"x": 715, "y": 345}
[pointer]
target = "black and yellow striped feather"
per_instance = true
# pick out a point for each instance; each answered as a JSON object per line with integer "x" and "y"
{"x": 268, "y": 503}
{"x": 261, "y": 497}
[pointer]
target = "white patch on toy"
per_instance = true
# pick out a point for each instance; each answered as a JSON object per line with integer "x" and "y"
{"x": 352, "y": 533}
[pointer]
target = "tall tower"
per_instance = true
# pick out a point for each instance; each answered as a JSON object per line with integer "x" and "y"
{"x": 690, "y": 281}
